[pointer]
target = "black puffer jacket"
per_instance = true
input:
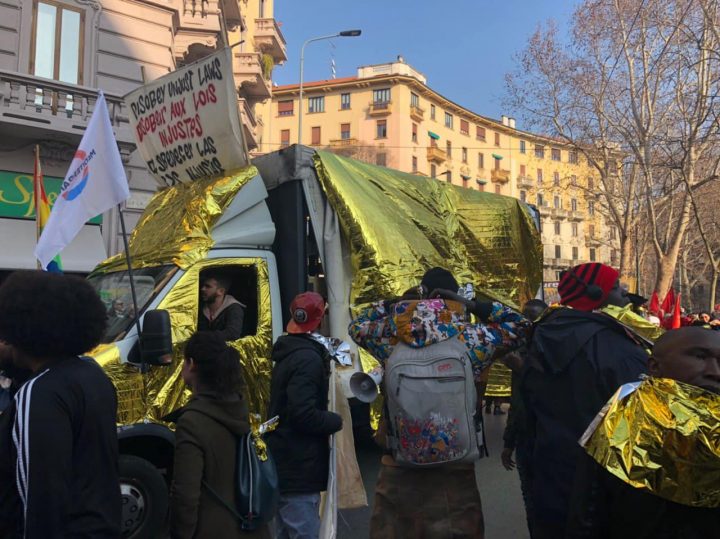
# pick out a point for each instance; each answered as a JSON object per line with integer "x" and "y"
{"x": 299, "y": 395}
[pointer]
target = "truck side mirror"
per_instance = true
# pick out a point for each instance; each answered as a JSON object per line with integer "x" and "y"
{"x": 156, "y": 338}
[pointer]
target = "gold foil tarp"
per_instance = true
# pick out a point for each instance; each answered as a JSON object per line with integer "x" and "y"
{"x": 175, "y": 227}
{"x": 399, "y": 225}
{"x": 664, "y": 437}
{"x": 499, "y": 382}
{"x": 627, "y": 317}
{"x": 165, "y": 389}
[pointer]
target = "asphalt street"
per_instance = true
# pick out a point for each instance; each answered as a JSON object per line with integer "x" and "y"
{"x": 499, "y": 489}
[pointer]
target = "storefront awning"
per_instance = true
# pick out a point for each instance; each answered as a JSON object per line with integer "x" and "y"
{"x": 481, "y": 182}
{"x": 496, "y": 156}
{"x": 433, "y": 135}
{"x": 17, "y": 237}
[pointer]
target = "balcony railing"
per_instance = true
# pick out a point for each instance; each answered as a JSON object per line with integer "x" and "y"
{"x": 380, "y": 108}
{"x": 248, "y": 74}
{"x": 344, "y": 143}
{"x": 28, "y": 102}
{"x": 561, "y": 263}
{"x": 416, "y": 113}
{"x": 436, "y": 155}
{"x": 576, "y": 216}
{"x": 499, "y": 175}
{"x": 591, "y": 241}
{"x": 249, "y": 123}
{"x": 545, "y": 210}
{"x": 269, "y": 39}
{"x": 559, "y": 213}
{"x": 525, "y": 182}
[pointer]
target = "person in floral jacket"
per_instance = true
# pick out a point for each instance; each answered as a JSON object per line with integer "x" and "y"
{"x": 444, "y": 501}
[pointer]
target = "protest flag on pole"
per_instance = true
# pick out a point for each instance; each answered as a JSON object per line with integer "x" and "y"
{"x": 42, "y": 210}
{"x": 94, "y": 183}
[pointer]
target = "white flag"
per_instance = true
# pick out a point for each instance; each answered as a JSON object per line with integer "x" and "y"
{"x": 94, "y": 183}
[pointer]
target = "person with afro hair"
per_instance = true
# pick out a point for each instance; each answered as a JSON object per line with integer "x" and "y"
{"x": 58, "y": 441}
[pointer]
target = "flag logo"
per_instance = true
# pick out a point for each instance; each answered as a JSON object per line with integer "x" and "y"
{"x": 72, "y": 187}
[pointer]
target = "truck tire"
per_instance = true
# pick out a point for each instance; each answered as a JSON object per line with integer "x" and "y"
{"x": 144, "y": 499}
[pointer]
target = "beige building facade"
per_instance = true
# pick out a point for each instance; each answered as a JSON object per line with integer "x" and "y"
{"x": 389, "y": 116}
{"x": 54, "y": 57}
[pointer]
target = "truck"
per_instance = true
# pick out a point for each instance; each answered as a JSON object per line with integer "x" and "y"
{"x": 295, "y": 220}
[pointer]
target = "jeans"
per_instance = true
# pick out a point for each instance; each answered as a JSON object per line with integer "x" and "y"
{"x": 298, "y": 516}
{"x": 523, "y": 456}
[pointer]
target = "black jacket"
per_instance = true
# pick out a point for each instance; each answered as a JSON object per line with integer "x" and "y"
{"x": 228, "y": 323}
{"x": 604, "y": 507}
{"x": 576, "y": 361}
{"x": 299, "y": 395}
{"x": 65, "y": 419}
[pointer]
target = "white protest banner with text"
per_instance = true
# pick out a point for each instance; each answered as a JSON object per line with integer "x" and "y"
{"x": 186, "y": 123}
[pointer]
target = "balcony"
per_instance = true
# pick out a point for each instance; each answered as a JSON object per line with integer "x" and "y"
{"x": 436, "y": 155}
{"x": 33, "y": 107}
{"x": 344, "y": 143}
{"x": 248, "y": 74}
{"x": 417, "y": 114}
{"x": 560, "y": 263}
{"x": 249, "y": 123}
{"x": 380, "y": 108}
{"x": 269, "y": 39}
{"x": 499, "y": 175}
{"x": 525, "y": 182}
{"x": 545, "y": 210}
{"x": 591, "y": 241}
{"x": 559, "y": 213}
{"x": 576, "y": 216}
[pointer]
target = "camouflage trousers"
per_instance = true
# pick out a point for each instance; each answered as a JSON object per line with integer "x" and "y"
{"x": 435, "y": 503}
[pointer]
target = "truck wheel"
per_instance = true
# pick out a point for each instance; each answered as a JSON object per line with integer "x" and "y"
{"x": 144, "y": 499}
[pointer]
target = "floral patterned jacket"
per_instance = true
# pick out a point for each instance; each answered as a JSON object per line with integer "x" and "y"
{"x": 425, "y": 322}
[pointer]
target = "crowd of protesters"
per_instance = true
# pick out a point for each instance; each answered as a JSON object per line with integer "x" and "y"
{"x": 575, "y": 366}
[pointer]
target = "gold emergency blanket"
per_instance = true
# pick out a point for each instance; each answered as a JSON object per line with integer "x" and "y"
{"x": 175, "y": 227}
{"x": 634, "y": 321}
{"x": 398, "y": 225}
{"x": 664, "y": 437}
{"x": 162, "y": 390}
{"x": 499, "y": 382}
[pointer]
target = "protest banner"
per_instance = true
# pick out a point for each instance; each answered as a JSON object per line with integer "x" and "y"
{"x": 186, "y": 123}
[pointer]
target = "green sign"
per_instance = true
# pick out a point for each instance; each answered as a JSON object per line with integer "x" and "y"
{"x": 16, "y": 195}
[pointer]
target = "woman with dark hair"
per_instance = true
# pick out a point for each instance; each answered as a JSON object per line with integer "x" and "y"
{"x": 208, "y": 429}
{"x": 58, "y": 443}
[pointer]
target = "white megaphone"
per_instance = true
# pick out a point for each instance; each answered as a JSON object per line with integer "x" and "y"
{"x": 365, "y": 386}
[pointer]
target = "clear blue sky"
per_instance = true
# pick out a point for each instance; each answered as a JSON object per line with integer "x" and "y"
{"x": 464, "y": 47}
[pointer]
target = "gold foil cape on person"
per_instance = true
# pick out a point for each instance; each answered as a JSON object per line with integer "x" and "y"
{"x": 628, "y": 318}
{"x": 663, "y": 437}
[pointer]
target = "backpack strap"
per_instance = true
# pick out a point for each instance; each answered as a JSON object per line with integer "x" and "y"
{"x": 222, "y": 501}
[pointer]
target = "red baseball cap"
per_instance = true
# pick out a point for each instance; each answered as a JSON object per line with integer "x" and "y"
{"x": 307, "y": 311}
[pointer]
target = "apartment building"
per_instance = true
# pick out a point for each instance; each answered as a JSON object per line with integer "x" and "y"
{"x": 389, "y": 116}
{"x": 54, "y": 57}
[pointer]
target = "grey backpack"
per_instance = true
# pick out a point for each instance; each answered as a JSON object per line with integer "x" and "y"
{"x": 431, "y": 403}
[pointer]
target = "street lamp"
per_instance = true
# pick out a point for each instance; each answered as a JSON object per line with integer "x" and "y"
{"x": 344, "y": 33}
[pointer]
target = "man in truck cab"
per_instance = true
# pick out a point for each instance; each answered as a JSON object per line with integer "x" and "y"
{"x": 219, "y": 311}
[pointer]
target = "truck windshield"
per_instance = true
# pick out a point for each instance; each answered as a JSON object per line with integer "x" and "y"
{"x": 114, "y": 291}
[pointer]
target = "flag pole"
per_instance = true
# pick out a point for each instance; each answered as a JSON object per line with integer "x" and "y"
{"x": 36, "y": 199}
{"x": 132, "y": 279}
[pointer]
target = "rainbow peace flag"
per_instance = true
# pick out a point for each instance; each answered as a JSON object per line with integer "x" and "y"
{"x": 42, "y": 210}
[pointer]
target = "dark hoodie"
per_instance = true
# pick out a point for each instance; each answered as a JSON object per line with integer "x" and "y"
{"x": 299, "y": 395}
{"x": 576, "y": 361}
{"x": 206, "y": 450}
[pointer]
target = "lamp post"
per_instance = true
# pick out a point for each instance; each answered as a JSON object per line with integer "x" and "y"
{"x": 344, "y": 33}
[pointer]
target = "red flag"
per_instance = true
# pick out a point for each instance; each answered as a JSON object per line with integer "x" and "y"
{"x": 669, "y": 301}
{"x": 654, "y": 307}
{"x": 676, "y": 323}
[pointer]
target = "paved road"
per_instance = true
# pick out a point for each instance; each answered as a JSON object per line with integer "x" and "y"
{"x": 500, "y": 491}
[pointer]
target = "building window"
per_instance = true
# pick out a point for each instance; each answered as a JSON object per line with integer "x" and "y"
{"x": 574, "y": 230}
{"x": 522, "y": 146}
{"x": 555, "y": 154}
{"x": 344, "y": 101}
{"x": 575, "y": 253}
{"x": 539, "y": 151}
{"x": 433, "y": 171}
{"x": 414, "y": 100}
{"x": 481, "y": 160}
{"x": 498, "y": 189}
{"x": 57, "y": 42}
{"x": 522, "y": 170}
{"x": 523, "y": 196}
{"x": 613, "y": 257}
{"x": 432, "y": 112}
{"x": 497, "y": 139}
{"x": 539, "y": 176}
{"x": 481, "y": 187}
{"x": 381, "y": 131}
{"x": 261, "y": 9}
{"x": 414, "y": 133}
{"x": 284, "y": 138}
{"x": 381, "y": 159}
{"x": 573, "y": 156}
{"x": 558, "y": 251}
{"x": 480, "y": 133}
{"x": 557, "y": 202}
{"x": 591, "y": 184}
{"x": 448, "y": 176}
{"x": 613, "y": 233}
{"x": 316, "y": 104}
{"x": 573, "y": 204}
{"x": 414, "y": 164}
{"x": 448, "y": 149}
{"x": 556, "y": 178}
{"x": 592, "y": 255}
{"x": 497, "y": 163}
{"x": 464, "y": 127}
{"x": 540, "y": 201}
{"x": 448, "y": 120}
{"x": 591, "y": 230}
{"x": 344, "y": 131}
{"x": 557, "y": 228}
{"x": 573, "y": 180}
{"x": 381, "y": 96}
{"x": 285, "y": 108}
{"x": 315, "y": 136}
{"x": 591, "y": 207}
{"x": 464, "y": 155}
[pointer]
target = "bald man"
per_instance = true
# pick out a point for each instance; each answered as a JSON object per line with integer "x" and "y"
{"x": 605, "y": 507}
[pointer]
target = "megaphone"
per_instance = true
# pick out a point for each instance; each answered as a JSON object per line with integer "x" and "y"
{"x": 365, "y": 386}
